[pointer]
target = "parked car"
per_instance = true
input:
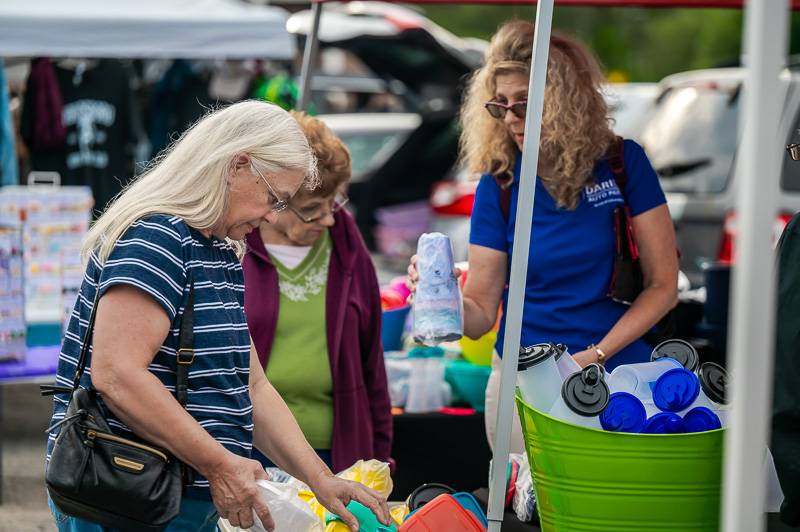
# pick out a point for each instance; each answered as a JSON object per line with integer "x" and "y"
{"x": 371, "y": 137}
{"x": 630, "y": 105}
{"x": 417, "y": 58}
{"x": 691, "y": 139}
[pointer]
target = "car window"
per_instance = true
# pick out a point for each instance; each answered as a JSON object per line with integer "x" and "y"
{"x": 691, "y": 136}
{"x": 790, "y": 176}
{"x": 369, "y": 149}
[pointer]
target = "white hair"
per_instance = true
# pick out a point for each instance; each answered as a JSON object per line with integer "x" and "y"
{"x": 189, "y": 179}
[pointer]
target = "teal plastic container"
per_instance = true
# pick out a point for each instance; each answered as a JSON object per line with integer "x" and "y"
{"x": 589, "y": 480}
{"x": 366, "y": 519}
{"x": 468, "y": 381}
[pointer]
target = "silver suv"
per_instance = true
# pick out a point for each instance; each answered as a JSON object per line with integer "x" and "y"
{"x": 692, "y": 137}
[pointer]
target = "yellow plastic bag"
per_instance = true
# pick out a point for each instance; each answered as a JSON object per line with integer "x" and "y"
{"x": 372, "y": 473}
{"x": 399, "y": 513}
{"x": 310, "y": 499}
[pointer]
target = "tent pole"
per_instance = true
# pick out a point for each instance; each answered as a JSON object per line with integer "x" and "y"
{"x": 309, "y": 55}
{"x": 752, "y": 334}
{"x": 519, "y": 262}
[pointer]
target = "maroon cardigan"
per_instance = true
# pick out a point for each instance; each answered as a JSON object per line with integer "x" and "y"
{"x": 362, "y": 419}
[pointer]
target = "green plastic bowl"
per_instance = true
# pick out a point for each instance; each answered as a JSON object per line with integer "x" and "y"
{"x": 591, "y": 480}
{"x": 468, "y": 381}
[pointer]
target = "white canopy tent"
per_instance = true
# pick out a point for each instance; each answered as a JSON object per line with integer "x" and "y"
{"x": 752, "y": 316}
{"x": 191, "y": 29}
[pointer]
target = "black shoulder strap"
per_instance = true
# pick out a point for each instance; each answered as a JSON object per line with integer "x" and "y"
{"x": 87, "y": 341}
{"x": 53, "y": 389}
{"x": 616, "y": 160}
{"x": 185, "y": 354}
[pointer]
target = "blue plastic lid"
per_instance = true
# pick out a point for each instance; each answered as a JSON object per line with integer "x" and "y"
{"x": 664, "y": 423}
{"x": 675, "y": 390}
{"x": 701, "y": 419}
{"x": 469, "y": 503}
{"x": 624, "y": 413}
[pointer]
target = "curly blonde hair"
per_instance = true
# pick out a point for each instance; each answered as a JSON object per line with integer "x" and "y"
{"x": 575, "y": 127}
{"x": 333, "y": 157}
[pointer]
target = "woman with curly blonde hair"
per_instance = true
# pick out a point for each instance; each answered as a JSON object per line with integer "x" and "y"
{"x": 571, "y": 254}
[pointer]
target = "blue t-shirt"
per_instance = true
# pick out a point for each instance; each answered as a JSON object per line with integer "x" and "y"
{"x": 571, "y": 254}
{"x": 161, "y": 255}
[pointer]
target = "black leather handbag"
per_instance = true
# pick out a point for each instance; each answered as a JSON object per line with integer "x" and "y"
{"x": 113, "y": 481}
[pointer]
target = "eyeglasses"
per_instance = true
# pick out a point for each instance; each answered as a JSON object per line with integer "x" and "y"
{"x": 498, "y": 110}
{"x": 794, "y": 151}
{"x": 315, "y": 214}
{"x": 279, "y": 204}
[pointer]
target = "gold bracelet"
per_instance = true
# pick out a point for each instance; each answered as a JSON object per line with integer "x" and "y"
{"x": 601, "y": 356}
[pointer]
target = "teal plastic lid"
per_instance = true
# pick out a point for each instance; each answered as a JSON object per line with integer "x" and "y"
{"x": 426, "y": 352}
{"x": 664, "y": 423}
{"x": 676, "y": 390}
{"x": 701, "y": 419}
{"x": 585, "y": 392}
{"x": 624, "y": 413}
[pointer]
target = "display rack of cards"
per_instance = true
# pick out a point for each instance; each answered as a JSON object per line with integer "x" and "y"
{"x": 12, "y": 296}
{"x": 54, "y": 221}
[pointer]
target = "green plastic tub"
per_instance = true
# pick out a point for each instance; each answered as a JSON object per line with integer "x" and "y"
{"x": 595, "y": 481}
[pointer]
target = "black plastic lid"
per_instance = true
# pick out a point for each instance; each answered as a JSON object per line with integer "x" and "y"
{"x": 680, "y": 350}
{"x": 586, "y": 392}
{"x": 535, "y": 354}
{"x": 714, "y": 381}
{"x": 426, "y": 493}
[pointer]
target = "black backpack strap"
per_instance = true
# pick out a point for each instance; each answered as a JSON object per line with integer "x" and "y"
{"x": 185, "y": 355}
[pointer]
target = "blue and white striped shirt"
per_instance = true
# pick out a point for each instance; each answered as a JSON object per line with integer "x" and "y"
{"x": 160, "y": 254}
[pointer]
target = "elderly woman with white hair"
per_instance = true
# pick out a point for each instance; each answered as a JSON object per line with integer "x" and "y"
{"x": 171, "y": 242}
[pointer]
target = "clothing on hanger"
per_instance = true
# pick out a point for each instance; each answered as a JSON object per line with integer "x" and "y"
{"x": 43, "y": 106}
{"x": 96, "y": 114}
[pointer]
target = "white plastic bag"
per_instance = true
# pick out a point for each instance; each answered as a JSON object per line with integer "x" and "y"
{"x": 524, "y": 496}
{"x": 774, "y": 493}
{"x": 288, "y": 511}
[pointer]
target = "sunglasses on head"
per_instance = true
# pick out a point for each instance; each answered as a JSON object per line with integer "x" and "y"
{"x": 498, "y": 110}
{"x": 794, "y": 151}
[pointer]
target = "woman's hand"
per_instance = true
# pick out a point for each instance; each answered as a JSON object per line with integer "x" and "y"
{"x": 235, "y": 494}
{"x": 335, "y": 493}
{"x": 412, "y": 278}
{"x": 585, "y": 357}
